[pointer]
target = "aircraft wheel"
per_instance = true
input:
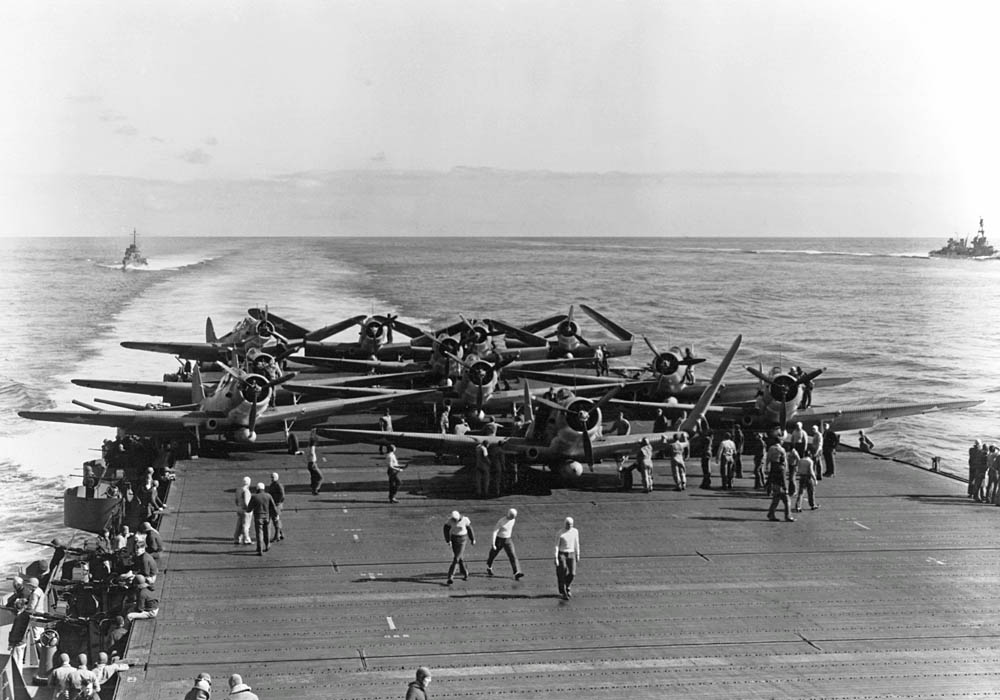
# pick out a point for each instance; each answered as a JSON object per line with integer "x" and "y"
{"x": 293, "y": 443}
{"x": 186, "y": 449}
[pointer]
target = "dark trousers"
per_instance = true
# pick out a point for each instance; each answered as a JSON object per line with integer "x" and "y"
{"x": 758, "y": 471}
{"x": 506, "y": 544}
{"x": 457, "y": 550}
{"x": 393, "y": 485}
{"x": 829, "y": 462}
{"x": 262, "y": 528}
{"x": 315, "y": 478}
{"x": 565, "y": 571}
{"x": 778, "y": 496}
{"x": 738, "y": 462}
{"x": 706, "y": 472}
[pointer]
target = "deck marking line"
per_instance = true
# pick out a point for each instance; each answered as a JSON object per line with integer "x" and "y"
{"x": 935, "y": 561}
{"x": 392, "y": 625}
{"x": 864, "y": 527}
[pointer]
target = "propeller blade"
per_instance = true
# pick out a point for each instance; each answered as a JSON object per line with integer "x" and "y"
{"x": 580, "y": 340}
{"x": 806, "y": 378}
{"x": 290, "y": 349}
{"x": 229, "y": 370}
{"x": 608, "y": 396}
{"x": 479, "y": 398}
{"x": 588, "y": 447}
{"x": 759, "y": 373}
{"x": 253, "y": 417}
{"x": 651, "y": 346}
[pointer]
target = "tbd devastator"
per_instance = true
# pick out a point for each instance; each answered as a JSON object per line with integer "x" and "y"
{"x": 238, "y": 408}
{"x": 563, "y": 434}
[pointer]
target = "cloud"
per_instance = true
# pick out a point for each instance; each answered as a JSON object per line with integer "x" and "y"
{"x": 379, "y": 158}
{"x": 84, "y": 99}
{"x": 126, "y": 130}
{"x": 111, "y": 115}
{"x": 211, "y": 141}
{"x": 157, "y": 139}
{"x": 196, "y": 157}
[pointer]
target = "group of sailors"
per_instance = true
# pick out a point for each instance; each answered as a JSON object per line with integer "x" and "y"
{"x": 984, "y": 472}
{"x": 81, "y": 605}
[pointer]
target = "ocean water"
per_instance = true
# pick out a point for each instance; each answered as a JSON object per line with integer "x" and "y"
{"x": 905, "y": 326}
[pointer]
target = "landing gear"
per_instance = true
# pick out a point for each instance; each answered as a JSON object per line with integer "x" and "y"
{"x": 293, "y": 444}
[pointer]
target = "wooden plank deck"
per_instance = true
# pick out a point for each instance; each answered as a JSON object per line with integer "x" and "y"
{"x": 889, "y": 590}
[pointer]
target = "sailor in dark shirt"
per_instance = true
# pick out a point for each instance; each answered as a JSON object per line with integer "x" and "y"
{"x": 147, "y": 604}
{"x": 277, "y": 491}
{"x": 263, "y": 508}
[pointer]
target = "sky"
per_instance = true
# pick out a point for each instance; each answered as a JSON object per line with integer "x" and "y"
{"x": 227, "y": 91}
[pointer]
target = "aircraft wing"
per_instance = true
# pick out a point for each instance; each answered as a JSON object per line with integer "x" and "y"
{"x": 335, "y": 387}
{"x": 171, "y": 392}
{"x": 338, "y": 364}
{"x": 570, "y": 379}
{"x": 543, "y": 323}
{"x": 334, "y": 328}
{"x": 422, "y": 442}
{"x": 202, "y": 352}
{"x": 319, "y": 411}
{"x": 139, "y": 422}
{"x": 529, "y": 339}
{"x": 607, "y": 323}
{"x": 861, "y": 417}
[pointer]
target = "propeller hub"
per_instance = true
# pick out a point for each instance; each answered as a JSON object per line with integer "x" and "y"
{"x": 265, "y": 329}
{"x": 666, "y": 363}
{"x": 582, "y": 416}
{"x": 373, "y": 329}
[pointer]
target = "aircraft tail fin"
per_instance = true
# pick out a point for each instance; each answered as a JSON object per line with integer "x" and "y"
{"x": 607, "y": 324}
{"x": 197, "y": 389}
{"x": 707, "y": 396}
{"x": 210, "y": 336}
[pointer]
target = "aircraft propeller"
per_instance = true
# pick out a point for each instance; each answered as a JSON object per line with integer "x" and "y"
{"x": 668, "y": 363}
{"x": 583, "y": 415}
{"x": 568, "y": 328}
{"x": 784, "y": 387}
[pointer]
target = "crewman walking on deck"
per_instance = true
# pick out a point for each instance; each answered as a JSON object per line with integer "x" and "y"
{"x": 417, "y": 690}
{"x": 777, "y": 478}
{"x": 481, "y": 471}
{"x": 977, "y": 470}
{"x": 263, "y": 509}
{"x": 242, "y": 533}
{"x": 277, "y": 491}
{"x": 315, "y": 475}
{"x": 726, "y": 456}
{"x": 830, "y": 442}
{"x": 678, "y": 450}
{"x": 758, "y": 448}
{"x": 385, "y": 425}
{"x": 707, "y": 448}
{"x": 644, "y": 461}
{"x": 393, "y": 468}
{"x": 807, "y": 482}
{"x": 567, "y": 556}
{"x": 502, "y": 540}
{"x": 458, "y": 531}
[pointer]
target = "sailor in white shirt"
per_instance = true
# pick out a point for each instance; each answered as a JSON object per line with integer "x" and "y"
{"x": 501, "y": 538}
{"x": 567, "y": 555}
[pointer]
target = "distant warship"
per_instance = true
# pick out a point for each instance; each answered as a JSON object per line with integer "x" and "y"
{"x": 960, "y": 248}
{"x": 133, "y": 257}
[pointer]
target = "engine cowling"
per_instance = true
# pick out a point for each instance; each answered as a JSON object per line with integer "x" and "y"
{"x": 373, "y": 330}
{"x": 582, "y": 415}
{"x": 255, "y": 389}
{"x": 265, "y": 329}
